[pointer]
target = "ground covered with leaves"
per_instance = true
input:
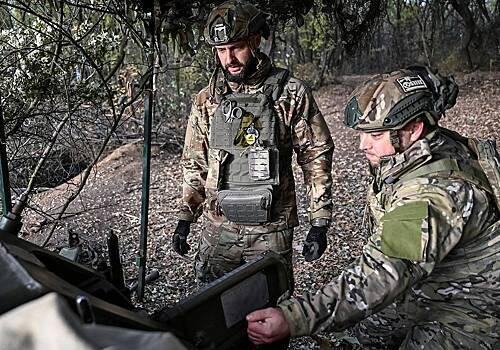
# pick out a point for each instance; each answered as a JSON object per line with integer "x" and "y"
{"x": 111, "y": 201}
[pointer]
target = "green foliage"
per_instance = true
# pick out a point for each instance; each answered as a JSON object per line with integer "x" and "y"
{"x": 55, "y": 63}
{"x": 317, "y": 31}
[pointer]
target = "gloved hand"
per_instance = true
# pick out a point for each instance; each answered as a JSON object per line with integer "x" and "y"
{"x": 179, "y": 240}
{"x": 315, "y": 244}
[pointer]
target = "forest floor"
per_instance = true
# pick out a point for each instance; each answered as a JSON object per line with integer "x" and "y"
{"x": 111, "y": 199}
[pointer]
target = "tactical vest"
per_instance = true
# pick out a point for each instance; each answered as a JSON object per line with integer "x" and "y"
{"x": 482, "y": 171}
{"x": 244, "y": 129}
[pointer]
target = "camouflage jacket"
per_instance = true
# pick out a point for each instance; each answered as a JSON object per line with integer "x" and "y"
{"x": 434, "y": 250}
{"x": 301, "y": 127}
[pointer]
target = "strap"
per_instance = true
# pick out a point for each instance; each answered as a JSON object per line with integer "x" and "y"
{"x": 451, "y": 168}
{"x": 220, "y": 86}
{"x": 275, "y": 83}
{"x": 489, "y": 160}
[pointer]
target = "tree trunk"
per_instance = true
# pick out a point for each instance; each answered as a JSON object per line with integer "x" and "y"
{"x": 462, "y": 7}
{"x": 326, "y": 58}
{"x": 421, "y": 18}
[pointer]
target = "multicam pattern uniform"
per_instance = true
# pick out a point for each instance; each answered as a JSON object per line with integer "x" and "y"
{"x": 301, "y": 127}
{"x": 429, "y": 276}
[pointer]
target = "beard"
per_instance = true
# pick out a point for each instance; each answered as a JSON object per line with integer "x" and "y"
{"x": 246, "y": 71}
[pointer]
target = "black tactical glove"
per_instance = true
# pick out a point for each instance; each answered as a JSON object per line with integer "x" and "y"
{"x": 315, "y": 244}
{"x": 179, "y": 240}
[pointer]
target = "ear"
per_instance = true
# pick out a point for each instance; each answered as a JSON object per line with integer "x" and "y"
{"x": 257, "y": 40}
{"x": 416, "y": 129}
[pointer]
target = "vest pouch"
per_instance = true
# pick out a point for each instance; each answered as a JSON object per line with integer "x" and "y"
{"x": 259, "y": 167}
{"x": 246, "y": 207}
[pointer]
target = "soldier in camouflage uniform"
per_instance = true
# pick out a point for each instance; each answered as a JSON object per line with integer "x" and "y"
{"x": 238, "y": 149}
{"x": 429, "y": 276}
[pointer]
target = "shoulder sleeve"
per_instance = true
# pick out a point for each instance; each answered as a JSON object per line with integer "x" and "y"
{"x": 313, "y": 145}
{"x": 310, "y": 133}
{"x": 194, "y": 163}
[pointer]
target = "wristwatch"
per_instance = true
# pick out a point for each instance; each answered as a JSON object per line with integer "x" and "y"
{"x": 320, "y": 222}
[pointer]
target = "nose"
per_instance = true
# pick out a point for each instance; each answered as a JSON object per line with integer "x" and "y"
{"x": 364, "y": 141}
{"x": 229, "y": 57}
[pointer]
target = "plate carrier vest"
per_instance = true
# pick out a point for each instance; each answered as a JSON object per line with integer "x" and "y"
{"x": 243, "y": 129}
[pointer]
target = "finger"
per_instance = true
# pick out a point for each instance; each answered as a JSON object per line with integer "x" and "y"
{"x": 257, "y": 327}
{"x": 311, "y": 256}
{"x": 176, "y": 246}
{"x": 259, "y": 315}
{"x": 253, "y": 334}
{"x": 321, "y": 251}
{"x": 256, "y": 337}
{"x": 184, "y": 248}
{"x": 256, "y": 340}
{"x": 305, "y": 249}
{"x": 259, "y": 339}
{"x": 313, "y": 251}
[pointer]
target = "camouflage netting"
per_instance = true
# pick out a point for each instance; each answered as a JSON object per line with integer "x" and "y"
{"x": 356, "y": 19}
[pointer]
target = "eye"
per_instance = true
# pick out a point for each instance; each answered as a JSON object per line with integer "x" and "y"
{"x": 239, "y": 46}
{"x": 376, "y": 135}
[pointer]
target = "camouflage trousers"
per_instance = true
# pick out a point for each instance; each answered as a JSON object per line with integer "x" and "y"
{"x": 394, "y": 328}
{"x": 222, "y": 249}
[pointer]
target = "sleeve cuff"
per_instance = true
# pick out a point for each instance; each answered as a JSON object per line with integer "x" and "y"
{"x": 320, "y": 214}
{"x": 297, "y": 321}
{"x": 186, "y": 216}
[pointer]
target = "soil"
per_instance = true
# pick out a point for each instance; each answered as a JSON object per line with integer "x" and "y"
{"x": 111, "y": 200}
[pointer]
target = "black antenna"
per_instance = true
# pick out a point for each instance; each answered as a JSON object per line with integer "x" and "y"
{"x": 141, "y": 260}
{"x": 4, "y": 169}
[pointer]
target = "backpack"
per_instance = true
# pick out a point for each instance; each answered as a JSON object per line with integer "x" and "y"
{"x": 489, "y": 160}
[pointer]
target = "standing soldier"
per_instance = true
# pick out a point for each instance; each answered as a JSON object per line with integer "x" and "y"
{"x": 429, "y": 276}
{"x": 238, "y": 151}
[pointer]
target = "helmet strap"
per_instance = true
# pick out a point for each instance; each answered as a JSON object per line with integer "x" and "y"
{"x": 251, "y": 45}
{"x": 395, "y": 140}
{"x": 216, "y": 57}
{"x": 213, "y": 83}
{"x": 252, "y": 51}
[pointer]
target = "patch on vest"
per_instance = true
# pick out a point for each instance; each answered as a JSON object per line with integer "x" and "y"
{"x": 248, "y": 132}
{"x": 403, "y": 231}
{"x": 413, "y": 83}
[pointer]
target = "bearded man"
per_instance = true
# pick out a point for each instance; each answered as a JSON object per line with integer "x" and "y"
{"x": 240, "y": 137}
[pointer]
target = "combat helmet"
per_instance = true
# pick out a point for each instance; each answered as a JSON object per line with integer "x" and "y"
{"x": 235, "y": 20}
{"x": 390, "y": 101}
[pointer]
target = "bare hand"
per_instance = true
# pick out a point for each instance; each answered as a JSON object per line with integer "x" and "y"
{"x": 267, "y": 326}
